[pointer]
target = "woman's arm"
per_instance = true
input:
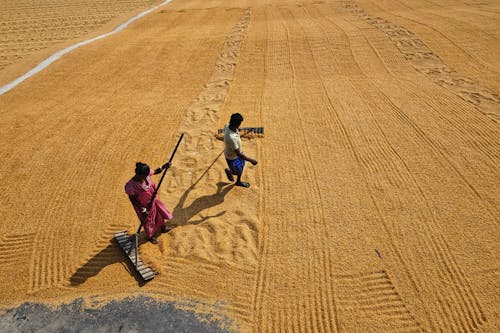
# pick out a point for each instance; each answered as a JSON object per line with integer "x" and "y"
{"x": 135, "y": 203}
{"x": 160, "y": 169}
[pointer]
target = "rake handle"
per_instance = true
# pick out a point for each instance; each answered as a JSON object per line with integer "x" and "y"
{"x": 136, "y": 241}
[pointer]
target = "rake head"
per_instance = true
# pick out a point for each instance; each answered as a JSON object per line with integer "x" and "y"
{"x": 245, "y": 132}
{"x": 130, "y": 248}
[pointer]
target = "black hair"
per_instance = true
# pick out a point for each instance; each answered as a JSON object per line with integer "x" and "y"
{"x": 236, "y": 120}
{"x": 142, "y": 169}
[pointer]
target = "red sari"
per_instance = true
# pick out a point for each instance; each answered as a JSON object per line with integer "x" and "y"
{"x": 142, "y": 192}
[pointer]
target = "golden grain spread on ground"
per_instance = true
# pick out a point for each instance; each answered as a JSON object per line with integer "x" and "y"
{"x": 30, "y": 30}
{"x": 375, "y": 203}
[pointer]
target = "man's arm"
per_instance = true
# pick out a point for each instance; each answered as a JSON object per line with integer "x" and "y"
{"x": 246, "y": 158}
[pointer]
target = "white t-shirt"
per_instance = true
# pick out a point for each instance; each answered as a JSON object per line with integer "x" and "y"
{"x": 232, "y": 142}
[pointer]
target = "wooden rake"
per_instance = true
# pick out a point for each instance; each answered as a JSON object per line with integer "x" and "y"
{"x": 244, "y": 132}
{"x": 130, "y": 244}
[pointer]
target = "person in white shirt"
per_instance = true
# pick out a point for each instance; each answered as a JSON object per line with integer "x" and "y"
{"x": 233, "y": 152}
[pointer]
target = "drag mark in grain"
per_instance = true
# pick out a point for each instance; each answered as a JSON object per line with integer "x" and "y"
{"x": 238, "y": 305}
{"x": 262, "y": 243}
{"x": 374, "y": 294}
{"x": 432, "y": 20}
{"x": 427, "y": 62}
{"x": 465, "y": 310}
{"x": 105, "y": 252}
{"x": 13, "y": 248}
{"x": 314, "y": 311}
{"x": 324, "y": 301}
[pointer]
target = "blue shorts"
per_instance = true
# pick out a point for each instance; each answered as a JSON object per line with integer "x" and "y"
{"x": 236, "y": 166}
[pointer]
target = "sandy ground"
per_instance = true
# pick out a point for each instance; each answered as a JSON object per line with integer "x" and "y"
{"x": 374, "y": 206}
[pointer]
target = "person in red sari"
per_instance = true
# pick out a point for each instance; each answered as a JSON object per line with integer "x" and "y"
{"x": 140, "y": 189}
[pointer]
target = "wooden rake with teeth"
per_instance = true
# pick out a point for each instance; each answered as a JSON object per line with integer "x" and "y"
{"x": 130, "y": 244}
{"x": 245, "y": 132}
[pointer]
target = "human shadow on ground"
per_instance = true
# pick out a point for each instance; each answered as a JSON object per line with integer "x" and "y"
{"x": 112, "y": 254}
{"x": 183, "y": 215}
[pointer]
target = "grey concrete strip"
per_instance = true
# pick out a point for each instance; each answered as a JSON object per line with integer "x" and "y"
{"x": 133, "y": 314}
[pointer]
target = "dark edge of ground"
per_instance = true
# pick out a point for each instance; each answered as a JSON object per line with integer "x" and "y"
{"x": 132, "y": 314}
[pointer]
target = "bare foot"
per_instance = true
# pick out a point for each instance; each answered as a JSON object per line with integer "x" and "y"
{"x": 165, "y": 229}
